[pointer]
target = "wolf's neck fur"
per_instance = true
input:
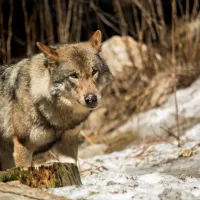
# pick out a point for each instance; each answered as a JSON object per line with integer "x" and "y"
{"x": 62, "y": 117}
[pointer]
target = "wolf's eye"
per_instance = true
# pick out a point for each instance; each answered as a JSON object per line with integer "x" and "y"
{"x": 74, "y": 75}
{"x": 94, "y": 72}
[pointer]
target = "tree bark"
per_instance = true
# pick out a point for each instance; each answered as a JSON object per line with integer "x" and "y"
{"x": 45, "y": 176}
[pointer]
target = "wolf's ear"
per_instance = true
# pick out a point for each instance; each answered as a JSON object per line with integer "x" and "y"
{"x": 48, "y": 51}
{"x": 95, "y": 40}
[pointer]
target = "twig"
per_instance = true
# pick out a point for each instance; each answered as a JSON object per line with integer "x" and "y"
{"x": 171, "y": 134}
{"x": 86, "y": 137}
{"x": 147, "y": 16}
{"x": 180, "y": 7}
{"x": 174, "y": 65}
{"x": 15, "y": 38}
{"x": 123, "y": 24}
{"x": 195, "y": 9}
{"x": 92, "y": 170}
{"x": 142, "y": 151}
{"x": 163, "y": 30}
{"x": 105, "y": 17}
{"x": 107, "y": 22}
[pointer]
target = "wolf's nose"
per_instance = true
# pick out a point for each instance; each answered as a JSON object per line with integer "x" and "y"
{"x": 91, "y": 99}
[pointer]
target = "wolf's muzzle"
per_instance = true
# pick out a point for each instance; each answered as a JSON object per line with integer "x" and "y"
{"x": 91, "y": 100}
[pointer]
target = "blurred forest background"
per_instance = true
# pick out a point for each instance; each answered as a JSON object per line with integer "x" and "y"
{"x": 160, "y": 55}
{"x": 23, "y": 22}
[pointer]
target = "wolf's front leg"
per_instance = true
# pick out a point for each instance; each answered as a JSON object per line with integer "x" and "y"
{"x": 22, "y": 156}
{"x": 66, "y": 150}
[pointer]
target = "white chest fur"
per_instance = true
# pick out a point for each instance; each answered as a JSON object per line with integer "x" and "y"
{"x": 41, "y": 136}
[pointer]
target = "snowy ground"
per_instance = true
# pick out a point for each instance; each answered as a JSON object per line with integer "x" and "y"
{"x": 154, "y": 122}
{"x": 137, "y": 173}
{"x": 153, "y": 171}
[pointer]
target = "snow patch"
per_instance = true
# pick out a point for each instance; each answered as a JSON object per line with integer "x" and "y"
{"x": 152, "y": 122}
{"x": 193, "y": 133}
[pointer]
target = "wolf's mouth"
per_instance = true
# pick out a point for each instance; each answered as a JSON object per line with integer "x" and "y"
{"x": 92, "y": 106}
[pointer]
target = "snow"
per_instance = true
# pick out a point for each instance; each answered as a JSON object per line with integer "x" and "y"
{"x": 119, "y": 186}
{"x": 115, "y": 177}
{"x": 148, "y": 171}
{"x": 152, "y": 122}
{"x": 193, "y": 133}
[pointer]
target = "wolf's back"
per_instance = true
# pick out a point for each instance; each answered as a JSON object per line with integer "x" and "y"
{"x": 9, "y": 84}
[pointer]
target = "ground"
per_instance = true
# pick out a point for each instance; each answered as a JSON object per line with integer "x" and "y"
{"x": 158, "y": 171}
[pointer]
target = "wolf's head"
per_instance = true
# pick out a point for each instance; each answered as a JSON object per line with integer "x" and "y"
{"x": 78, "y": 73}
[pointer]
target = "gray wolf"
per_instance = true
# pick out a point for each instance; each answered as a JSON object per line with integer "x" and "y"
{"x": 45, "y": 99}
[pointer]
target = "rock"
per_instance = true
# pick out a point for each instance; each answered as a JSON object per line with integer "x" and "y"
{"x": 127, "y": 53}
{"x": 92, "y": 150}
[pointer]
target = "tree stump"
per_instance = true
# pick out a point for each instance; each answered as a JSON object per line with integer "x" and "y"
{"x": 45, "y": 176}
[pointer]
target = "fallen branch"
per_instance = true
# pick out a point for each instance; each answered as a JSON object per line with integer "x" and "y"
{"x": 17, "y": 191}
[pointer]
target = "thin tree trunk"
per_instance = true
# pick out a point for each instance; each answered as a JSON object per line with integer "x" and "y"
{"x": 27, "y": 28}
{"x": 8, "y": 44}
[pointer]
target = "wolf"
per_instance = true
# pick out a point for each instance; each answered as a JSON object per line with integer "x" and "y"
{"x": 45, "y": 99}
